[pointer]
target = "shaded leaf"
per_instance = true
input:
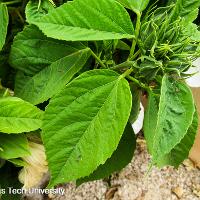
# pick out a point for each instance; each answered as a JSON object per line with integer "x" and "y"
{"x": 13, "y": 146}
{"x": 150, "y": 120}
{"x": 181, "y": 151}
{"x": 52, "y": 79}
{"x": 32, "y": 51}
{"x": 175, "y": 115}
{"x": 136, "y": 94}
{"x": 185, "y": 9}
{"x": 33, "y": 13}
{"x": 43, "y": 75}
{"x": 3, "y": 24}
{"x": 192, "y": 31}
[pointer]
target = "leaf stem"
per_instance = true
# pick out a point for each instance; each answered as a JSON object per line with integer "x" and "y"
{"x": 135, "y": 55}
{"x": 12, "y": 2}
{"x": 124, "y": 65}
{"x": 138, "y": 82}
{"x": 137, "y": 32}
{"x": 127, "y": 73}
{"x": 98, "y": 59}
{"x": 6, "y": 92}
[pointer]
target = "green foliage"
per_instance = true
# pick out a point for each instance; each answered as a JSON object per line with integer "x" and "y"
{"x": 123, "y": 153}
{"x": 175, "y": 115}
{"x": 73, "y": 22}
{"x": 13, "y": 146}
{"x": 35, "y": 13}
{"x": 18, "y": 116}
{"x": 136, "y": 94}
{"x": 135, "y": 5}
{"x": 181, "y": 151}
{"x": 150, "y": 120}
{"x": 103, "y": 100}
{"x": 185, "y": 8}
{"x": 78, "y": 71}
{"x": 4, "y": 23}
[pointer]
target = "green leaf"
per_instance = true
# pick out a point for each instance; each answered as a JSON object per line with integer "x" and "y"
{"x": 47, "y": 73}
{"x": 18, "y": 162}
{"x": 13, "y": 146}
{"x": 52, "y": 79}
{"x": 150, "y": 120}
{"x": 192, "y": 31}
{"x": 3, "y": 24}
{"x": 17, "y": 116}
{"x": 181, "y": 151}
{"x": 135, "y": 5}
{"x": 87, "y": 120}
{"x": 175, "y": 115}
{"x": 120, "y": 158}
{"x": 123, "y": 46}
{"x": 86, "y": 20}
{"x": 185, "y": 9}
{"x": 136, "y": 94}
{"x": 33, "y": 13}
{"x": 32, "y": 51}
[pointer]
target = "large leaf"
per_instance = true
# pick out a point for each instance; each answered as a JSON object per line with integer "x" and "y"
{"x": 87, "y": 120}
{"x": 181, "y": 151}
{"x": 150, "y": 120}
{"x": 13, "y": 146}
{"x": 185, "y": 8}
{"x": 33, "y": 13}
{"x": 135, "y": 5}
{"x": 47, "y": 73}
{"x": 175, "y": 115}
{"x": 3, "y": 24}
{"x": 17, "y": 116}
{"x": 192, "y": 31}
{"x": 84, "y": 20}
{"x": 32, "y": 51}
{"x": 52, "y": 79}
{"x": 120, "y": 158}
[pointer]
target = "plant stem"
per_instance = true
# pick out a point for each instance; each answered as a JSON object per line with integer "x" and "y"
{"x": 123, "y": 65}
{"x": 6, "y": 93}
{"x": 138, "y": 83}
{"x": 135, "y": 55}
{"x": 127, "y": 73}
{"x": 12, "y": 2}
{"x": 98, "y": 59}
{"x": 137, "y": 32}
{"x": 20, "y": 17}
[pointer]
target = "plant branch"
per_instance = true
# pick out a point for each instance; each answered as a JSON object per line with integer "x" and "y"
{"x": 127, "y": 73}
{"x": 135, "y": 55}
{"x": 124, "y": 65}
{"x": 98, "y": 59}
{"x": 137, "y": 32}
{"x": 138, "y": 83}
{"x": 12, "y": 2}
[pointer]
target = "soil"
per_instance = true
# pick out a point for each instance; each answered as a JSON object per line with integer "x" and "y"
{"x": 133, "y": 183}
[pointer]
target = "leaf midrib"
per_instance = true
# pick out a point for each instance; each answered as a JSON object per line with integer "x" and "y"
{"x": 86, "y": 131}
